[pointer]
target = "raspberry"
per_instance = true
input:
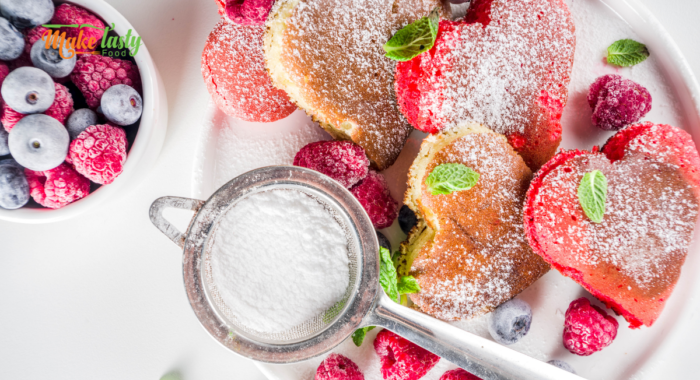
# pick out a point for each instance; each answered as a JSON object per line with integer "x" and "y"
{"x": 458, "y": 374}
{"x": 587, "y": 328}
{"x": 4, "y": 71}
{"x": 61, "y": 108}
{"x": 401, "y": 359}
{"x": 374, "y": 196}
{"x": 246, "y": 12}
{"x": 338, "y": 367}
{"x": 94, "y": 74}
{"x": 68, "y": 14}
{"x": 343, "y": 161}
{"x": 33, "y": 35}
{"x": 617, "y": 102}
{"x": 57, "y": 187}
{"x": 99, "y": 153}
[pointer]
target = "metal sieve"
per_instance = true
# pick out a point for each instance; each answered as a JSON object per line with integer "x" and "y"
{"x": 363, "y": 305}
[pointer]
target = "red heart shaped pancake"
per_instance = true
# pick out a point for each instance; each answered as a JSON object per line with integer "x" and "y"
{"x": 506, "y": 65}
{"x": 633, "y": 258}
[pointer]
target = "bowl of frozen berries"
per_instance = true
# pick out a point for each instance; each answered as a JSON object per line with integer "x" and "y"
{"x": 83, "y": 109}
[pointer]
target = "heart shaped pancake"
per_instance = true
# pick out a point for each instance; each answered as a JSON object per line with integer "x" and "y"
{"x": 506, "y": 65}
{"x": 468, "y": 251}
{"x": 633, "y": 258}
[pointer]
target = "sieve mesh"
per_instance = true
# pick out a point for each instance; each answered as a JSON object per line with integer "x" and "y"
{"x": 309, "y": 328}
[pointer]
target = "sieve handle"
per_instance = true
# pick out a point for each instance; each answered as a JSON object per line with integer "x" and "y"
{"x": 482, "y": 357}
{"x": 156, "y": 215}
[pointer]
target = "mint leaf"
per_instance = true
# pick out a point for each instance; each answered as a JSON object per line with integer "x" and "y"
{"x": 413, "y": 39}
{"x": 592, "y": 193}
{"x": 408, "y": 285}
{"x": 359, "y": 335}
{"x": 387, "y": 274}
{"x": 627, "y": 53}
{"x": 448, "y": 178}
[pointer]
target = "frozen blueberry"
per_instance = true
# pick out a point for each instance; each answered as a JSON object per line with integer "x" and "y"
{"x": 39, "y": 142}
{"x": 4, "y": 148}
{"x": 11, "y": 41}
{"x": 563, "y": 365}
{"x": 79, "y": 120}
{"x": 510, "y": 321}
{"x": 28, "y": 90}
{"x": 10, "y": 161}
{"x": 27, "y": 13}
{"x": 14, "y": 188}
{"x": 121, "y": 105}
{"x": 407, "y": 219}
{"x": 51, "y": 60}
{"x": 383, "y": 241}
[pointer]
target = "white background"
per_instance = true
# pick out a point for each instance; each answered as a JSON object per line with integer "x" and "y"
{"x": 101, "y": 296}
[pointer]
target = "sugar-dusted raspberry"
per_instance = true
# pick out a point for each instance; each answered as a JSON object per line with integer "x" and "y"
{"x": 617, "y": 102}
{"x": 245, "y": 12}
{"x": 343, "y": 161}
{"x": 61, "y": 108}
{"x": 401, "y": 359}
{"x": 99, "y": 153}
{"x": 33, "y": 35}
{"x": 587, "y": 328}
{"x": 69, "y": 14}
{"x": 374, "y": 196}
{"x": 57, "y": 187}
{"x": 338, "y": 367}
{"x": 94, "y": 74}
{"x": 458, "y": 374}
{"x": 4, "y": 72}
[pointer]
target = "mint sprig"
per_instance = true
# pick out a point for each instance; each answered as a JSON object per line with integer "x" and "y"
{"x": 448, "y": 178}
{"x": 592, "y": 194}
{"x": 627, "y": 53}
{"x": 413, "y": 39}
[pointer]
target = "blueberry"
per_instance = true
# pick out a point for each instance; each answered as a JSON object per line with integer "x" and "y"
{"x": 79, "y": 120}
{"x": 121, "y": 105}
{"x": 383, "y": 241}
{"x": 563, "y": 365}
{"x": 11, "y": 41}
{"x": 407, "y": 219}
{"x": 51, "y": 61}
{"x": 14, "y": 188}
{"x": 28, "y": 90}
{"x": 27, "y": 13}
{"x": 10, "y": 161}
{"x": 510, "y": 321}
{"x": 4, "y": 148}
{"x": 39, "y": 142}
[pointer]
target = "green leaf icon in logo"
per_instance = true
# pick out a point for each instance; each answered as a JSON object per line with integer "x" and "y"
{"x": 592, "y": 193}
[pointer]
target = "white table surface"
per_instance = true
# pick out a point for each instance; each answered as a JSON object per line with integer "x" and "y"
{"x": 101, "y": 296}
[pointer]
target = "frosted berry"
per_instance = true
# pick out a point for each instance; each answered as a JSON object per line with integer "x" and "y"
{"x": 383, "y": 241}
{"x": 11, "y": 41}
{"x": 246, "y": 12}
{"x": 343, "y": 161}
{"x": 510, "y": 321}
{"x": 28, "y": 90}
{"x": 338, "y": 367}
{"x": 562, "y": 365}
{"x": 617, "y": 102}
{"x": 99, "y": 153}
{"x": 458, "y": 374}
{"x": 60, "y": 109}
{"x": 376, "y": 199}
{"x": 587, "y": 328}
{"x": 407, "y": 219}
{"x": 39, "y": 142}
{"x": 401, "y": 359}
{"x": 79, "y": 120}
{"x": 14, "y": 188}
{"x": 33, "y": 35}
{"x": 121, "y": 105}
{"x": 27, "y": 13}
{"x": 57, "y": 187}
{"x": 51, "y": 60}
{"x": 4, "y": 72}
{"x": 4, "y": 147}
{"x": 69, "y": 14}
{"x": 94, "y": 74}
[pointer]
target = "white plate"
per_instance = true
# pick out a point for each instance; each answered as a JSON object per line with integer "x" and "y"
{"x": 230, "y": 147}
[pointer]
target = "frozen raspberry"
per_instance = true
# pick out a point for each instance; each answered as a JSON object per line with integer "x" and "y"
{"x": 94, "y": 74}
{"x": 338, "y": 367}
{"x": 374, "y": 196}
{"x": 99, "y": 153}
{"x": 33, "y": 35}
{"x": 22, "y": 61}
{"x": 587, "y": 328}
{"x": 617, "y": 102}
{"x": 401, "y": 359}
{"x": 61, "y": 108}
{"x": 458, "y": 374}
{"x": 69, "y": 14}
{"x": 245, "y": 12}
{"x": 4, "y": 71}
{"x": 57, "y": 187}
{"x": 343, "y": 161}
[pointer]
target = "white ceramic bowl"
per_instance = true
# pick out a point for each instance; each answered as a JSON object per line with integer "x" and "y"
{"x": 146, "y": 146}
